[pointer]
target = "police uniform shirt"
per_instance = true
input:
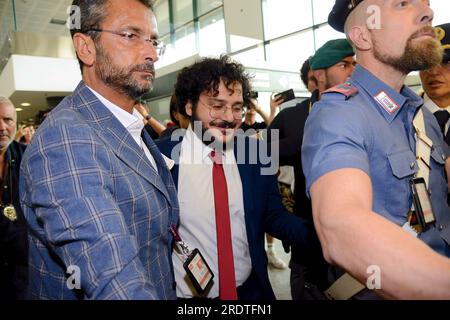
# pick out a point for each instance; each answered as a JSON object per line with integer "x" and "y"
{"x": 372, "y": 131}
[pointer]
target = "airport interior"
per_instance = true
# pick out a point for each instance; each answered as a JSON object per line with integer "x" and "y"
{"x": 271, "y": 38}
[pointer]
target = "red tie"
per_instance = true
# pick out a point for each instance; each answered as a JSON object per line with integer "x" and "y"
{"x": 227, "y": 279}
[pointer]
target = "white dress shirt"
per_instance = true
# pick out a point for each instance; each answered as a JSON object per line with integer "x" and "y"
{"x": 134, "y": 123}
{"x": 433, "y": 107}
{"x": 197, "y": 214}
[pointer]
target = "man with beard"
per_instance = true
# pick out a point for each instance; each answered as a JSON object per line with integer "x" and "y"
{"x": 227, "y": 203}
{"x": 96, "y": 192}
{"x": 436, "y": 84}
{"x": 359, "y": 156}
{"x": 331, "y": 65}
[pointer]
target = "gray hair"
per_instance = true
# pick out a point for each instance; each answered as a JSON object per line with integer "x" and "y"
{"x": 93, "y": 13}
{"x": 5, "y": 100}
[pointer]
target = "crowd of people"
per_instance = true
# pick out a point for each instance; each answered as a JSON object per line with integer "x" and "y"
{"x": 105, "y": 202}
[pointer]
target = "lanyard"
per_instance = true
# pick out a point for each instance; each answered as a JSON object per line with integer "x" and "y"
{"x": 182, "y": 246}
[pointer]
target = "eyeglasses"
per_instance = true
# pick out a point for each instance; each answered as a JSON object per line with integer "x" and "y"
{"x": 218, "y": 110}
{"x": 135, "y": 39}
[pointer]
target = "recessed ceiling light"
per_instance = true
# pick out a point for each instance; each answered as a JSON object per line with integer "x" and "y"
{"x": 25, "y": 104}
{"x": 19, "y": 109}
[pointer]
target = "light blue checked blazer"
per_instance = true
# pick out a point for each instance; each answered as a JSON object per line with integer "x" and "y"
{"x": 93, "y": 200}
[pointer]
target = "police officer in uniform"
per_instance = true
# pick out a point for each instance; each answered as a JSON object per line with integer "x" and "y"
{"x": 13, "y": 227}
{"x": 331, "y": 65}
{"x": 359, "y": 157}
{"x": 436, "y": 84}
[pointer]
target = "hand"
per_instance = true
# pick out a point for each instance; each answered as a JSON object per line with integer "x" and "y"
{"x": 19, "y": 133}
{"x": 254, "y": 105}
{"x": 142, "y": 110}
{"x": 275, "y": 103}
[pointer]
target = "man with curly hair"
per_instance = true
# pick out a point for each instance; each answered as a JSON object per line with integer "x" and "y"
{"x": 227, "y": 203}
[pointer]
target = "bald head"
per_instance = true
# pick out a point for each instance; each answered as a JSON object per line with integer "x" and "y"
{"x": 8, "y": 119}
{"x": 361, "y": 14}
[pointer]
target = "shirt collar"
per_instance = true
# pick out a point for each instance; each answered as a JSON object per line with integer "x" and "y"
{"x": 132, "y": 122}
{"x": 198, "y": 149}
{"x": 432, "y": 106}
{"x": 389, "y": 101}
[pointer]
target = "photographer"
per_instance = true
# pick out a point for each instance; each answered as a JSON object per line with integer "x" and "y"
{"x": 254, "y": 108}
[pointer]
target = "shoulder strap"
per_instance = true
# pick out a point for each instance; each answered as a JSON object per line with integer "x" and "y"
{"x": 424, "y": 145}
{"x": 346, "y": 89}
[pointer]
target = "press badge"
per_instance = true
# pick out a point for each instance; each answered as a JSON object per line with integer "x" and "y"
{"x": 194, "y": 264}
{"x": 423, "y": 215}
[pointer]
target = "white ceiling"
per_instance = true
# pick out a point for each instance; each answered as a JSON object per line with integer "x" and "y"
{"x": 33, "y": 16}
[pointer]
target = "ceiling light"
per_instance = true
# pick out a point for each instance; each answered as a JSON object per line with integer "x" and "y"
{"x": 19, "y": 109}
{"x": 56, "y": 21}
{"x": 25, "y": 104}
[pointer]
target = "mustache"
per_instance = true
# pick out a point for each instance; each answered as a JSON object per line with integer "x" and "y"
{"x": 146, "y": 67}
{"x": 223, "y": 124}
{"x": 422, "y": 31}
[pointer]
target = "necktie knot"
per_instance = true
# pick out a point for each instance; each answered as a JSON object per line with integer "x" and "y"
{"x": 442, "y": 117}
{"x": 216, "y": 157}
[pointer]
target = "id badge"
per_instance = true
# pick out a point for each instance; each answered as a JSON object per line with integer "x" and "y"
{"x": 422, "y": 203}
{"x": 198, "y": 271}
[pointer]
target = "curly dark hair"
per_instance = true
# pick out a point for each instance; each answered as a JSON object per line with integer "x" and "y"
{"x": 93, "y": 13}
{"x": 205, "y": 76}
{"x": 173, "y": 109}
{"x": 304, "y": 71}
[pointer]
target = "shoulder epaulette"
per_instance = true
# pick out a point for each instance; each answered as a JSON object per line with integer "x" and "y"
{"x": 345, "y": 89}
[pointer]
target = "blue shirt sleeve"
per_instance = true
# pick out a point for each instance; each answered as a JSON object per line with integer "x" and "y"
{"x": 337, "y": 136}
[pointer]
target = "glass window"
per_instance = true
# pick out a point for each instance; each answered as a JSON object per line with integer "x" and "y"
{"x": 184, "y": 46}
{"x": 321, "y": 10}
{"x": 170, "y": 54}
{"x": 162, "y": 16}
{"x": 182, "y": 12}
{"x": 185, "y": 42}
{"x": 282, "y": 17}
{"x": 292, "y": 51}
{"x": 249, "y": 57}
{"x": 212, "y": 38}
{"x": 204, "y": 6}
{"x": 325, "y": 33}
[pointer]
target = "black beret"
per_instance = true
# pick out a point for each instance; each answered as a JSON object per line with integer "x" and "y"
{"x": 340, "y": 12}
{"x": 443, "y": 35}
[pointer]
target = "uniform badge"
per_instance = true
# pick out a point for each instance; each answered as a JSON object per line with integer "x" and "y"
{"x": 386, "y": 102}
{"x": 10, "y": 213}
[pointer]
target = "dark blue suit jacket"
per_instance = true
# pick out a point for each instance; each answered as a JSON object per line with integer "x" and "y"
{"x": 264, "y": 213}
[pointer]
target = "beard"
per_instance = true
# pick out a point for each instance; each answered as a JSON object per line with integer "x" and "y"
{"x": 423, "y": 56}
{"x": 209, "y": 139}
{"x": 122, "y": 79}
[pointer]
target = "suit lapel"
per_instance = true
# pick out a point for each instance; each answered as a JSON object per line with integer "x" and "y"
{"x": 114, "y": 134}
{"x": 245, "y": 172}
{"x": 166, "y": 146}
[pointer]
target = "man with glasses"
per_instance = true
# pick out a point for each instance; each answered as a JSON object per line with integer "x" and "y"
{"x": 96, "y": 192}
{"x": 227, "y": 204}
